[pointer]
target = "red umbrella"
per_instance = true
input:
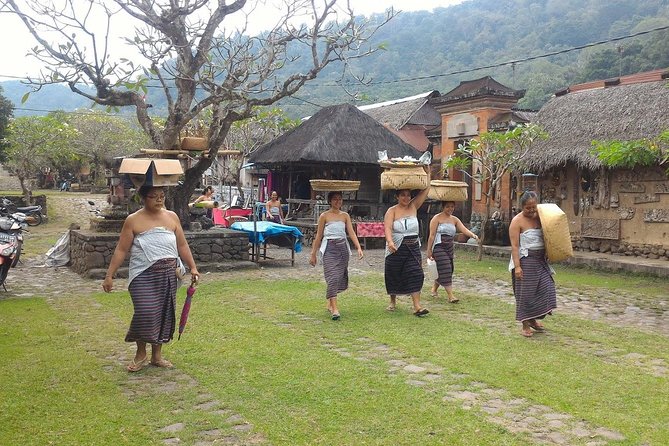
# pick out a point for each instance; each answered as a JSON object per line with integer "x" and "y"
{"x": 186, "y": 309}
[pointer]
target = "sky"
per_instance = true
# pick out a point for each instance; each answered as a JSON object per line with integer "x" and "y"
{"x": 17, "y": 41}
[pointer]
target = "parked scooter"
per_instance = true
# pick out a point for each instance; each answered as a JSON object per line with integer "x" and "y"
{"x": 33, "y": 214}
{"x": 11, "y": 243}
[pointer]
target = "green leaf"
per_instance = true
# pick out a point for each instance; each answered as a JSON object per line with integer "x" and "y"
{"x": 24, "y": 98}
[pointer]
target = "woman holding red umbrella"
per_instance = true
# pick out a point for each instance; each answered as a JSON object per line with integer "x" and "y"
{"x": 156, "y": 242}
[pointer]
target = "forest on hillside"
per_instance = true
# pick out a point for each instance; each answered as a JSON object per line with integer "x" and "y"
{"x": 436, "y": 50}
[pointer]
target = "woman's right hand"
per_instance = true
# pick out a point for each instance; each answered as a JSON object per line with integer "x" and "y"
{"x": 392, "y": 248}
{"x": 518, "y": 272}
{"x": 108, "y": 284}
{"x": 312, "y": 259}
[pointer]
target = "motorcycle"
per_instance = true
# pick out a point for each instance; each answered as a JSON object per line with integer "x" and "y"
{"x": 33, "y": 214}
{"x": 11, "y": 243}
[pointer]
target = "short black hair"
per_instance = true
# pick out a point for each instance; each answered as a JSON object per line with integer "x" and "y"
{"x": 144, "y": 190}
{"x": 332, "y": 194}
{"x": 444, "y": 203}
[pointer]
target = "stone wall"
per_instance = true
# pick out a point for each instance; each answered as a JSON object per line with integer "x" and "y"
{"x": 647, "y": 251}
{"x": 213, "y": 250}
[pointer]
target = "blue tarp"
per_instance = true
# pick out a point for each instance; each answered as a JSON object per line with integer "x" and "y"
{"x": 266, "y": 230}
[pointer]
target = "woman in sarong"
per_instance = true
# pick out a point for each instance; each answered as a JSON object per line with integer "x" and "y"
{"x": 273, "y": 211}
{"x": 157, "y": 244}
{"x": 403, "y": 270}
{"x": 333, "y": 248}
{"x": 443, "y": 228}
{"x": 531, "y": 276}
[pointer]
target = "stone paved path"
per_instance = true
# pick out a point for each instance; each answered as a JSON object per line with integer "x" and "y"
{"x": 67, "y": 292}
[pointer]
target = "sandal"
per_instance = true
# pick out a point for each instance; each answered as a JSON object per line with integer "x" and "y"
{"x": 335, "y": 316}
{"x": 527, "y": 332}
{"x": 421, "y": 312}
{"x": 454, "y": 300}
{"x": 162, "y": 363}
{"x": 136, "y": 366}
{"x": 390, "y": 308}
{"x": 536, "y": 326}
{"x": 434, "y": 294}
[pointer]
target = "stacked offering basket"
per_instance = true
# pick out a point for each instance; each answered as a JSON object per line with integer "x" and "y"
{"x": 444, "y": 190}
{"x": 334, "y": 185}
{"x": 403, "y": 175}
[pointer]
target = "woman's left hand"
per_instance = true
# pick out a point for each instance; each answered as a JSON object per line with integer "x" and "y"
{"x": 360, "y": 254}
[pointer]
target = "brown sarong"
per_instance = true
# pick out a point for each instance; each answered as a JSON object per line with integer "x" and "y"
{"x": 335, "y": 266}
{"x": 153, "y": 295}
{"x": 403, "y": 270}
{"x": 443, "y": 255}
{"x": 535, "y": 294}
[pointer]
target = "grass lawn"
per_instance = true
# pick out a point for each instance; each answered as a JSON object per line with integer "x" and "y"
{"x": 272, "y": 356}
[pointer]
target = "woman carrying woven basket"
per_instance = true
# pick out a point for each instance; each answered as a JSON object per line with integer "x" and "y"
{"x": 443, "y": 228}
{"x": 332, "y": 245}
{"x": 531, "y": 276}
{"x": 403, "y": 270}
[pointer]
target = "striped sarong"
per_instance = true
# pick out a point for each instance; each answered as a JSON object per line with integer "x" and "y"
{"x": 443, "y": 255}
{"x": 335, "y": 266}
{"x": 403, "y": 270}
{"x": 535, "y": 294}
{"x": 153, "y": 295}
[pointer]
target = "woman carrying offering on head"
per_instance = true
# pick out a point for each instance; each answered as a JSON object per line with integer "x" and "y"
{"x": 156, "y": 242}
{"x": 443, "y": 228}
{"x": 531, "y": 276}
{"x": 332, "y": 246}
{"x": 273, "y": 211}
{"x": 403, "y": 270}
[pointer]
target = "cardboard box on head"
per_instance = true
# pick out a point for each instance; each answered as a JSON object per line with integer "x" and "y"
{"x": 151, "y": 172}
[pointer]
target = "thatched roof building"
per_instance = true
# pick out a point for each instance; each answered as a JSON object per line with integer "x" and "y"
{"x": 401, "y": 112}
{"x": 628, "y": 108}
{"x": 336, "y": 134}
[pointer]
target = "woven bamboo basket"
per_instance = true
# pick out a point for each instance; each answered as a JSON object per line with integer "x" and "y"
{"x": 443, "y": 190}
{"x": 193, "y": 143}
{"x": 334, "y": 185}
{"x": 555, "y": 226}
{"x": 404, "y": 178}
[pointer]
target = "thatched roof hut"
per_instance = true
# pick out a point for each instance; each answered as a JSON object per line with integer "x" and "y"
{"x": 336, "y": 134}
{"x": 628, "y": 108}
{"x": 400, "y": 112}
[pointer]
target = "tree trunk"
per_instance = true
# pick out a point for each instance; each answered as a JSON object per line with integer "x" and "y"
{"x": 484, "y": 222}
{"x": 27, "y": 193}
{"x": 178, "y": 202}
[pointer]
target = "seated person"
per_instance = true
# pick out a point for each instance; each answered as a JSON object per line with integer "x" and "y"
{"x": 273, "y": 211}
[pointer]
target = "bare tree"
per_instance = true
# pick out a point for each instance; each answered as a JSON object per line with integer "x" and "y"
{"x": 196, "y": 62}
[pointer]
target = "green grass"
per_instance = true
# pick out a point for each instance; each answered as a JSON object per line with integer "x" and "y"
{"x": 248, "y": 344}
{"x": 53, "y": 392}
